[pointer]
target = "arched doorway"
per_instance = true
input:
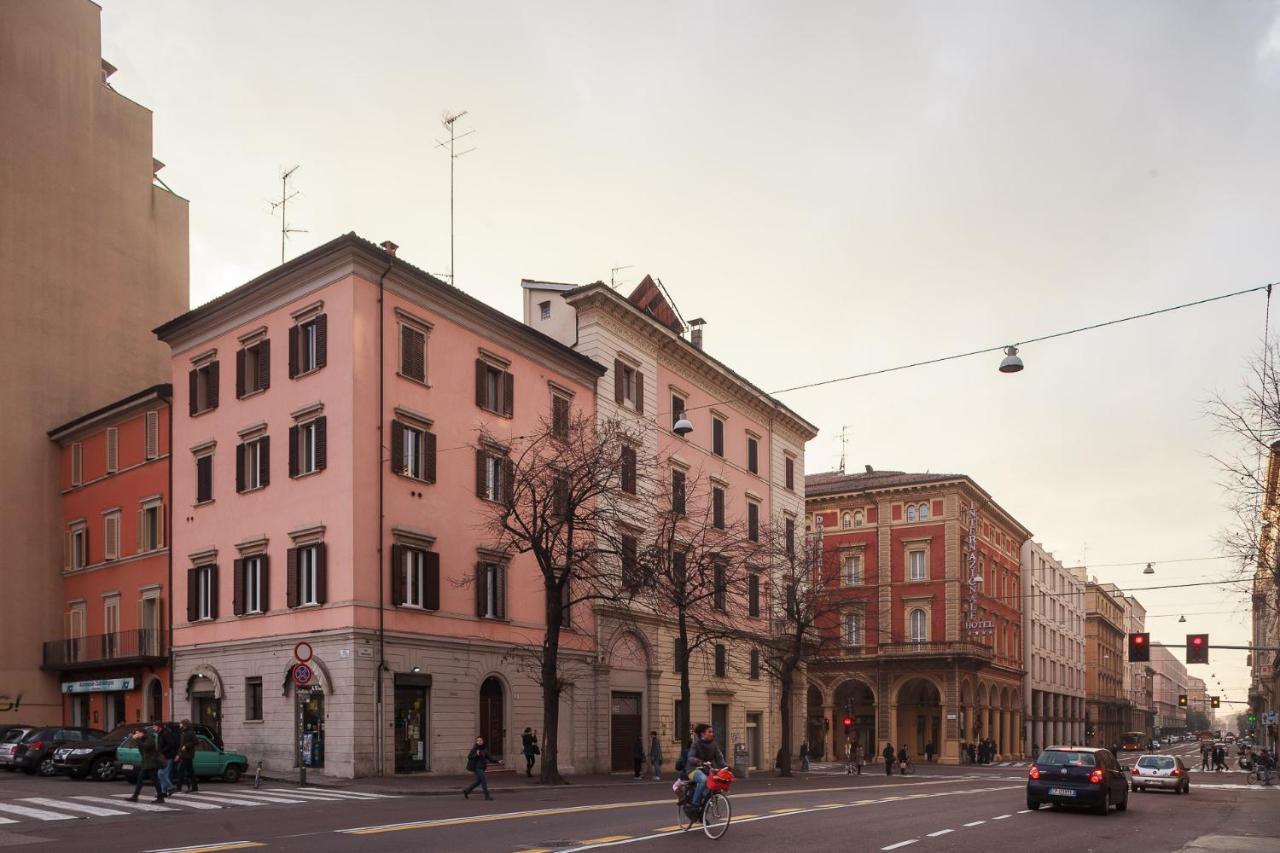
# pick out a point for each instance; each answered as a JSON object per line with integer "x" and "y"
{"x": 815, "y": 728}
{"x": 919, "y": 716}
{"x": 628, "y": 681}
{"x": 155, "y": 700}
{"x": 492, "y": 715}
{"x": 855, "y": 699}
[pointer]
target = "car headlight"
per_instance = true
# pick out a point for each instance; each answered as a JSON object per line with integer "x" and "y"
{"x": 84, "y": 751}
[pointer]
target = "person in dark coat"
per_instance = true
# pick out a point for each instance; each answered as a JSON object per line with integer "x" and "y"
{"x": 167, "y": 744}
{"x": 529, "y": 748}
{"x": 804, "y": 756}
{"x": 478, "y": 759}
{"x": 187, "y": 740}
{"x": 928, "y": 752}
{"x": 637, "y": 755}
{"x": 888, "y": 759}
{"x": 655, "y": 756}
{"x": 149, "y": 766}
{"x": 902, "y": 759}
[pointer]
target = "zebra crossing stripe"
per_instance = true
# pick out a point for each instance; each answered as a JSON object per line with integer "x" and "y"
{"x": 257, "y": 798}
{"x": 222, "y": 799}
{"x": 125, "y": 804}
{"x": 38, "y": 814}
{"x": 345, "y": 795}
{"x": 4, "y": 820}
{"x": 74, "y": 807}
{"x": 171, "y": 800}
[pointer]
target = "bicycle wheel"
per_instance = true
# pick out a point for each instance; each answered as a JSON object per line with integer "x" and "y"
{"x": 1253, "y": 778}
{"x": 682, "y": 817}
{"x": 716, "y": 815}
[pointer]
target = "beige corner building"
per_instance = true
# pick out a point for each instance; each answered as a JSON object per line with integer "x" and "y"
{"x": 93, "y": 254}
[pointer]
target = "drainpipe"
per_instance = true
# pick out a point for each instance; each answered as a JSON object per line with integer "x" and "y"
{"x": 382, "y": 634}
{"x": 168, "y": 508}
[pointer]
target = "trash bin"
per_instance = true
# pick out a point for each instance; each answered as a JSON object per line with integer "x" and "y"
{"x": 741, "y": 761}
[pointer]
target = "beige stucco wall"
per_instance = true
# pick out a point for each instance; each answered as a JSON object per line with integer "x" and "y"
{"x": 92, "y": 256}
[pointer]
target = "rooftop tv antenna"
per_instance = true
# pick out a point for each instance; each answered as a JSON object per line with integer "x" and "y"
{"x": 282, "y": 205}
{"x": 844, "y": 444}
{"x": 449, "y": 121}
{"x": 613, "y": 274}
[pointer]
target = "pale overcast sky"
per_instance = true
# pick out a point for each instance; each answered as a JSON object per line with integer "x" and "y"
{"x": 836, "y": 187}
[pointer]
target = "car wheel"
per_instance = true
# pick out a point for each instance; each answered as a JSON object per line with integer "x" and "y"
{"x": 1034, "y": 805}
{"x": 48, "y": 768}
{"x": 1103, "y": 806}
{"x": 1123, "y": 804}
{"x": 1134, "y": 788}
{"x": 231, "y": 774}
{"x": 1186, "y": 787}
{"x": 103, "y": 770}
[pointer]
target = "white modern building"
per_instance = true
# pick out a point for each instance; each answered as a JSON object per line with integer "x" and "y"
{"x": 1053, "y": 638}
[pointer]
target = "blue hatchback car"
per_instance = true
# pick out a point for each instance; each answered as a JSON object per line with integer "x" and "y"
{"x": 1078, "y": 776}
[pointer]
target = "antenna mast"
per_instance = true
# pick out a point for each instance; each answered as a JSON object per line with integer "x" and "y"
{"x": 282, "y": 204}
{"x": 844, "y": 443}
{"x": 613, "y": 274}
{"x": 449, "y": 121}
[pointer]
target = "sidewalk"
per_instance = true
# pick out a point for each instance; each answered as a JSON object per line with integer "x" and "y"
{"x": 505, "y": 782}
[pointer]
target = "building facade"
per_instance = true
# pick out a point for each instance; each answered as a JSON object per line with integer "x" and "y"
{"x": 1264, "y": 675}
{"x": 113, "y": 656}
{"x": 745, "y": 447}
{"x": 362, "y": 535}
{"x": 1169, "y": 681}
{"x": 1053, "y": 619}
{"x": 904, "y": 658}
{"x": 1138, "y": 685}
{"x": 1106, "y": 709}
{"x": 92, "y": 251}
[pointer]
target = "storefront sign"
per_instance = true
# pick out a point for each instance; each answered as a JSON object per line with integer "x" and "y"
{"x": 99, "y": 685}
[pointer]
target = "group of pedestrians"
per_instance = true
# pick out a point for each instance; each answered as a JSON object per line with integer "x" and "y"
{"x": 167, "y": 759}
{"x": 1213, "y": 756}
{"x": 980, "y": 752}
{"x": 650, "y": 757}
{"x": 889, "y": 755}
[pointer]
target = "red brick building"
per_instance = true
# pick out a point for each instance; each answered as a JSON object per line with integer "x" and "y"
{"x": 113, "y": 656}
{"x": 910, "y": 656}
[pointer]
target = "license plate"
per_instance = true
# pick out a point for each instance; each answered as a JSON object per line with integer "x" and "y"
{"x": 126, "y": 766}
{"x": 1061, "y": 792}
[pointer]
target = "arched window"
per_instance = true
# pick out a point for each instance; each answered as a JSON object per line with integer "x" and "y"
{"x": 918, "y": 626}
{"x": 857, "y": 518}
{"x": 911, "y": 512}
{"x": 846, "y": 520}
{"x": 924, "y": 511}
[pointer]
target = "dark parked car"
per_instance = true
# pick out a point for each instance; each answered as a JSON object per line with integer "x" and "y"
{"x": 34, "y": 753}
{"x": 9, "y": 741}
{"x": 95, "y": 758}
{"x": 1078, "y": 776}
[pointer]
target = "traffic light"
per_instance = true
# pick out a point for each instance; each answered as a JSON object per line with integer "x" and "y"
{"x": 1197, "y": 648}
{"x": 848, "y": 724}
{"x": 1139, "y": 648}
{"x": 1213, "y": 702}
{"x": 1253, "y": 718}
{"x": 1182, "y": 700}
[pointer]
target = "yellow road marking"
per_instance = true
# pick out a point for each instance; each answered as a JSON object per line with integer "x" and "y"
{"x": 830, "y": 805}
{"x": 742, "y": 816}
{"x": 671, "y": 828}
{"x": 213, "y": 848}
{"x": 606, "y": 839}
{"x": 539, "y": 850}
{"x": 783, "y": 811}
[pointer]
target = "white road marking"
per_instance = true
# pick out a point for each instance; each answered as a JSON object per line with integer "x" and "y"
{"x": 38, "y": 814}
{"x": 189, "y": 803}
{"x": 125, "y": 804}
{"x": 75, "y": 807}
{"x": 327, "y": 795}
{"x": 261, "y": 798}
{"x": 976, "y": 823}
{"x": 7, "y": 820}
{"x": 1025, "y": 811}
{"x": 940, "y": 832}
{"x": 1002, "y": 817}
{"x": 225, "y": 798}
{"x": 900, "y": 844}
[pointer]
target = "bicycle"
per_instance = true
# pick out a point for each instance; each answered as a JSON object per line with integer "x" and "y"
{"x": 906, "y": 769}
{"x": 716, "y": 810}
{"x": 1255, "y": 778}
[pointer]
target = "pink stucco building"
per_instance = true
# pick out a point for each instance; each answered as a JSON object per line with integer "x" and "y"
{"x": 327, "y": 489}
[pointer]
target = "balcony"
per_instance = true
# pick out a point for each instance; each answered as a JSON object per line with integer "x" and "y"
{"x": 142, "y": 646}
{"x": 909, "y": 650}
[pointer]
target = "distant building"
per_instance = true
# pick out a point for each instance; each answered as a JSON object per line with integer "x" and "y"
{"x": 909, "y": 662}
{"x": 1169, "y": 681}
{"x": 1264, "y": 683}
{"x": 93, "y": 252}
{"x": 1106, "y": 707}
{"x": 1053, "y": 621}
{"x": 113, "y": 660}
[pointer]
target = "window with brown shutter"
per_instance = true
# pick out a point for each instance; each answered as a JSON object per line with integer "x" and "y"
{"x": 413, "y": 451}
{"x": 717, "y": 507}
{"x": 491, "y": 590}
{"x": 789, "y": 536}
{"x": 722, "y": 660}
{"x": 321, "y": 323}
{"x": 753, "y": 521}
{"x": 152, "y": 441}
{"x": 204, "y": 478}
{"x": 308, "y": 345}
{"x": 677, "y": 408}
{"x": 237, "y": 587}
{"x": 753, "y": 455}
{"x": 413, "y": 353}
{"x": 253, "y": 369}
{"x": 560, "y": 417}
{"x": 308, "y": 447}
{"x": 193, "y": 596}
{"x": 754, "y": 673}
{"x": 113, "y": 450}
{"x": 717, "y": 436}
{"x": 203, "y": 388}
{"x": 629, "y": 469}
{"x": 720, "y": 584}
{"x": 790, "y": 477}
{"x": 677, "y": 492}
{"x": 495, "y": 388}
{"x": 295, "y": 338}
{"x": 253, "y": 464}
{"x": 630, "y": 564}
{"x": 560, "y": 497}
{"x": 291, "y": 577}
{"x": 628, "y": 385}
{"x": 397, "y": 569}
{"x": 494, "y": 474}
{"x": 431, "y": 580}
{"x": 753, "y": 594}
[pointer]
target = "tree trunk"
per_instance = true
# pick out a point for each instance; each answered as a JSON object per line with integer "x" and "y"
{"x": 550, "y": 678}
{"x": 682, "y": 724}
{"x": 784, "y": 713}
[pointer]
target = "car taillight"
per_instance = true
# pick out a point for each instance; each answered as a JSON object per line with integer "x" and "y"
{"x": 1176, "y": 772}
{"x": 35, "y": 745}
{"x": 1096, "y": 777}
{"x": 1135, "y": 771}
{"x": 1035, "y": 772}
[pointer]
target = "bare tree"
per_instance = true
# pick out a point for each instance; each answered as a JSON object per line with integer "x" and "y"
{"x": 698, "y": 570}
{"x": 802, "y": 614}
{"x": 550, "y": 497}
{"x": 1251, "y": 421}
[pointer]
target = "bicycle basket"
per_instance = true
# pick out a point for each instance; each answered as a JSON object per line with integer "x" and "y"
{"x": 720, "y": 780}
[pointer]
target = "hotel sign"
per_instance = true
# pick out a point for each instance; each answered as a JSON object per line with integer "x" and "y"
{"x": 98, "y": 685}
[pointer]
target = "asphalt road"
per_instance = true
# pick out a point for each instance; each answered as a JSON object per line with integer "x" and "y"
{"x": 939, "y": 809}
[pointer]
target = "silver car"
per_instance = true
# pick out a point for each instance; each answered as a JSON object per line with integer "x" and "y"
{"x": 1160, "y": 771}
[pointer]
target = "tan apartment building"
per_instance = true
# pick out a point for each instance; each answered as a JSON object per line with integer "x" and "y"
{"x": 1053, "y": 623}
{"x": 1264, "y": 682}
{"x": 93, "y": 253}
{"x": 1105, "y": 652}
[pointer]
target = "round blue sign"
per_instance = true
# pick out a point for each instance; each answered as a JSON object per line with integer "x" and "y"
{"x": 302, "y": 674}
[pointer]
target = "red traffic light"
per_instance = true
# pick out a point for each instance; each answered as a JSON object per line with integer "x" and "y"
{"x": 848, "y": 722}
{"x": 1139, "y": 639}
{"x": 1197, "y": 648}
{"x": 1197, "y": 640}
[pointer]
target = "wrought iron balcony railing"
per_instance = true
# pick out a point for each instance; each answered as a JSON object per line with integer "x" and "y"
{"x": 142, "y": 645}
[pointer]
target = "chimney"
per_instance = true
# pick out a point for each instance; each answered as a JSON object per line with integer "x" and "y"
{"x": 870, "y": 470}
{"x": 695, "y": 331}
{"x": 389, "y": 247}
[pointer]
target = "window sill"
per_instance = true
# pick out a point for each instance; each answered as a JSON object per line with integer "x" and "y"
{"x": 198, "y": 504}
{"x": 415, "y": 380}
{"x": 414, "y": 479}
{"x": 305, "y": 373}
{"x": 200, "y": 412}
{"x": 417, "y": 607}
{"x": 250, "y": 491}
{"x": 305, "y": 474}
{"x": 254, "y": 393}
{"x": 495, "y": 412}
{"x": 505, "y": 619}
{"x": 254, "y": 722}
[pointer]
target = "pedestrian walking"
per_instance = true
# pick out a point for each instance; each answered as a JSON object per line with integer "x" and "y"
{"x": 859, "y": 757}
{"x": 995, "y": 751}
{"x": 167, "y": 745}
{"x": 478, "y": 759}
{"x": 529, "y": 749}
{"x": 804, "y": 756}
{"x": 187, "y": 741}
{"x": 148, "y": 767}
{"x": 637, "y": 755}
{"x": 655, "y": 756}
{"x": 888, "y": 759}
{"x": 928, "y": 752}
{"x": 902, "y": 759}
{"x": 1204, "y": 755}
{"x": 1035, "y": 751}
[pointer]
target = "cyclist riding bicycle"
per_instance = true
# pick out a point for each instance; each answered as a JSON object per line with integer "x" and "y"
{"x": 703, "y": 751}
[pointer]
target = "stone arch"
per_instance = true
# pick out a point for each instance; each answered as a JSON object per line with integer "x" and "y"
{"x": 626, "y": 643}
{"x": 319, "y": 675}
{"x": 917, "y": 711}
{"x": 856, "y": 698}
{"x": 206, "y": 671}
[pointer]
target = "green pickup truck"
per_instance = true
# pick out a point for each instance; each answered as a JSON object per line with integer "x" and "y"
{"x": 210, "y": 762}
